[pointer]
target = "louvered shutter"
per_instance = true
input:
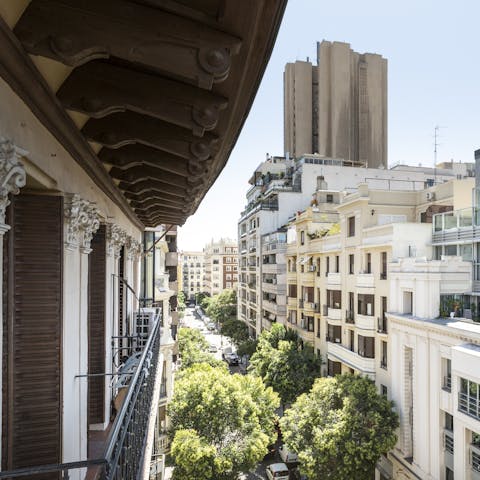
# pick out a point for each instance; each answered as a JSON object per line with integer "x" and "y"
{"x": 96, "y": 326}
{"x": 33, "y": 331}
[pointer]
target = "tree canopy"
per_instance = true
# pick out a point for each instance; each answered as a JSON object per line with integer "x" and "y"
{"x": 284, "y": 364}
{"x": 193, "y": 348}
{"x": 236, "y": 330}
{"x": 221, "y": 423}
{"x": 340, "y": 428}
{"x": 223, "y": 306}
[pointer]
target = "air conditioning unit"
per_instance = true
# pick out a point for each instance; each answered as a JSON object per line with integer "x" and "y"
{"x": 430, "y": 196}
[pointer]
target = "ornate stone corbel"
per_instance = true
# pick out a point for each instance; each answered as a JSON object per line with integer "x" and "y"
{"x": 116, "y": 238}
{"x": 12, "y": 174}
{"x": 82, "y": 220}
{"x": 134, "y": 248}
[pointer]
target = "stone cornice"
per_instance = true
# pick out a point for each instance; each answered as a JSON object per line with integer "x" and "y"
{"x": 12, "y": 174}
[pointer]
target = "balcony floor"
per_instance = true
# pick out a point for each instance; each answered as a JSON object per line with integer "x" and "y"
{"x": 97, "y": 440}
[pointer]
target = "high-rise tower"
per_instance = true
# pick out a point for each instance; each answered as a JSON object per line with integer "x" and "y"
{"x": 337, "y": 108}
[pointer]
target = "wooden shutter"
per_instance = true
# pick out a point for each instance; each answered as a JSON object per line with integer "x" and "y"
{"x": 33, "y": 331}
{"x": 96, "y": 326}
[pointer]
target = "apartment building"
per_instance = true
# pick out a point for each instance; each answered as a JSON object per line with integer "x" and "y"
{"x": 192, "y": 273}
{"x": 280, "y": 187}
{"x": 337, "y": 108}
{"x": 110, "y": 125}
{"x": 221, "y": 266}
{"x": 366, "y": 288}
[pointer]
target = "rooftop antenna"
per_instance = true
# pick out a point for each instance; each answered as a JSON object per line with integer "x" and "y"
{"x": 435, "y": 151}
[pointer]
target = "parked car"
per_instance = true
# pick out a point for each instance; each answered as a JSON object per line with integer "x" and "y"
{"x": 277, "y": 471}
{"x": 286, "y": 455}
{"x": 212, "y": 348}
{"x": 232, "y": 358}
{"x": 211, "y": 326}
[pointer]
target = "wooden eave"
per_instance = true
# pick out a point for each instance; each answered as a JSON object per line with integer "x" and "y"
{"x": 165, "y": 86}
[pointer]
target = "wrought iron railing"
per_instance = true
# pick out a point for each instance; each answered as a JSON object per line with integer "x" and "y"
{"x": 125, "y": 447}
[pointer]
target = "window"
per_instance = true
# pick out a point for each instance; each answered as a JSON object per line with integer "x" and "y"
{"x": 329, "y": 198}
{"x": 351, "y": 264}
{"x": 366, "y": 346}
{"x": 384, "y": 390}
{"x": 302, "y": 237}
{"x": 292, "y": 291}
{"x": 351, "y": 226}
{"x": 382, "y": 320}
{"x": 407, "y": 302}
{"x": 368, "y": 263}
{"x": 334, "y": 368}
{"x": 228, "y": 268}
{"x": 318, "y": 327}
{"x": 447, "y": 374}
{"x": 448, "y": 422}
{"x": 384, "y": 360}
{"x": 468, "y": 398}
{"x": 383, "y": 273}
{"x": 334, "y": 333}
{"x": 448, "y": 474}
{"x": 327, "y": 266}
{"x": 337, "y": 263}
{"x": 350, "y": 317}
{"x": 334, "y": 298}
{"x": 366, "y": 304}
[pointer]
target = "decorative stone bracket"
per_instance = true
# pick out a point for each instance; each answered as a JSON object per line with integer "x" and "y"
{"x": 12, "y": 174}
{"x": 134, "y": 248}
{"x": 82, "y": 220}
{"x": 116, "y": 238}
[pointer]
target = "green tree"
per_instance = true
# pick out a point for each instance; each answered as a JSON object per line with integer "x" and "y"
{"x": 223, "y": 306}
{"x": 236, "y": 330}
{"x": 181, "y": 303}
{"x": 193, "y": 348}
{"x": 200, "y": 297}
{"x": 221, "y": 423}
{"x": 340, "y": 428}
{"x": 247, "y": 347}
{"x": 284, "y": 363}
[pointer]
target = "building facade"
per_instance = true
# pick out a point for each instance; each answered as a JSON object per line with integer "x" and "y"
{"x": 193, "y": 273}
{"x": 337, "y": 108}
{"x": 280, "y": 187}
{"x": 111, "y": 126}
{"x": 221, "y": 266}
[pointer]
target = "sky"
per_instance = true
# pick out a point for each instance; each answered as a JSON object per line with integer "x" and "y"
{"x": 433, "y": 53}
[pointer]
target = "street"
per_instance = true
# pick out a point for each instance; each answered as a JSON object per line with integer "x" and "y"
{"x": 191, "y": 320}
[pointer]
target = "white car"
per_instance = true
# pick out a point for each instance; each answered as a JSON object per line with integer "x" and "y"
{"x": 286, "y": 455}
{"x": 212, "y": 349}
{"x": 277, "y": 471}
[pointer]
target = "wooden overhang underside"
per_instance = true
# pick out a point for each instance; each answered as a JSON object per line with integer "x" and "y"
{"x": 164, "y": 85}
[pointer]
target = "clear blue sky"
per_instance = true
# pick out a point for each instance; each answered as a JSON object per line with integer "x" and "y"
{"x": 433, "y": 52}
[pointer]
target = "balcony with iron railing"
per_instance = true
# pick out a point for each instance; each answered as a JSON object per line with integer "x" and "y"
{"x": 124, "y": 450}
{"x": 469, "y": 404}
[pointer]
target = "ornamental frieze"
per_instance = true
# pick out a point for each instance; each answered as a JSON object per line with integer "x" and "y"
{"x": 12, "y": 174}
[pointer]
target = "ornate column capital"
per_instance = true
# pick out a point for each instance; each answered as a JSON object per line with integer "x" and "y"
{"x": 82, "y": 220}
{"x": 116, "y": 238}
{"x": 12, "y": 174}
{"x": 134, "y": 248}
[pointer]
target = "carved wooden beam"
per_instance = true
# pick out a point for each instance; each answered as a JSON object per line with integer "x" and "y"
{"x": 136, "y": 154}
{"x": 136, "y": 199}
{"x": 153, "y": 186}
{"x": 101, "y": 88}
{"x": 120, "y": 129}
{"x": 159, "y": 202}
{"x": 75, "y": 32}
{"x": 141, "y": 173}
